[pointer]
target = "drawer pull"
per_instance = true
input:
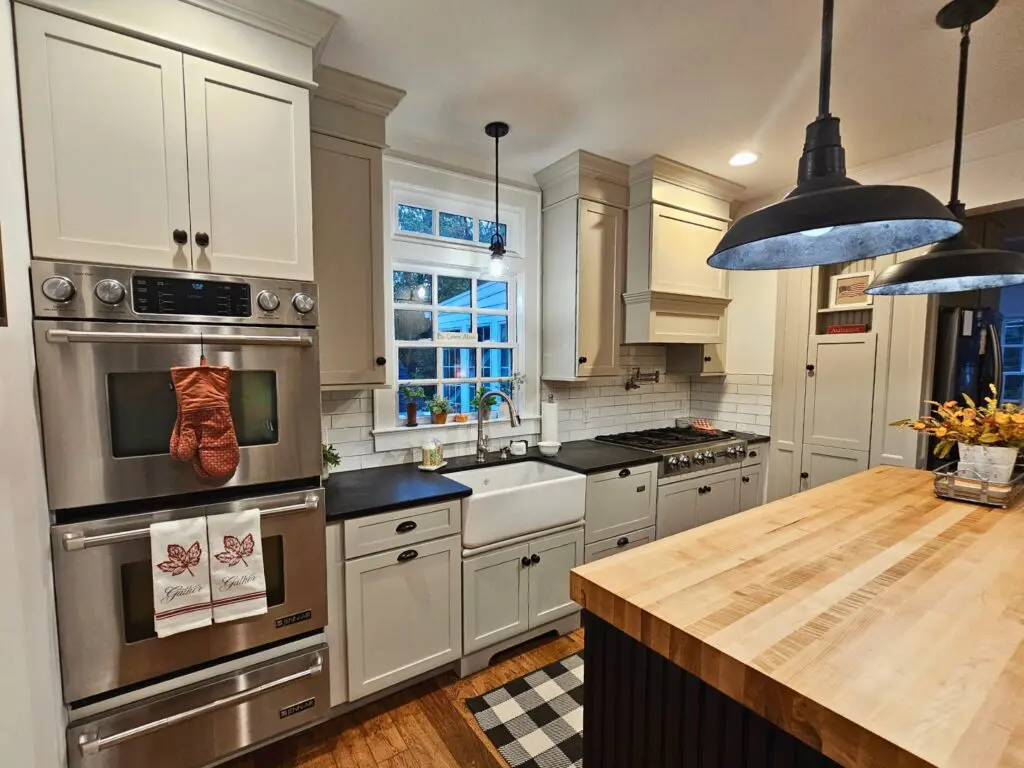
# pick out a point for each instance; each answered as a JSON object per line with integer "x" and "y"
{"x": 641, "y": 488}
{"x": 622, "y": 542}
{"x": 526, "y": 562}
{"x": 409, "y": 554}
{"x": 624, "y": 473}
{"x": 405, "y": 526}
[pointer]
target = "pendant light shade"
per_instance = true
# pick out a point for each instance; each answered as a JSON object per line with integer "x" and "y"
{"x": 956, "y": 264}
{"x": 829, "y": 218}
{"x": 497, "y": 131}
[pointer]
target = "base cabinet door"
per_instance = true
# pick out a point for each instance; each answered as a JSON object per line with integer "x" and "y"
{"x": 719, "y": 497}
{"x": 750, "y": 488}
{"x": 823, "y": 464}
{"x": 551, "y": 559}
{"x": 495, "y": 596}
{"x": 403, "y": 613}
{"x": 677, "y": 507}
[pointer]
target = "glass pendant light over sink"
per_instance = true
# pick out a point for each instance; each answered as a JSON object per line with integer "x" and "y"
{"x": 957, "y": 264}
{"x": 497, "y": 131}
{"x": 829, "y": 218}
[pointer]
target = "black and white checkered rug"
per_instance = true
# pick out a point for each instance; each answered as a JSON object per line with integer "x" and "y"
{"x": 536, "y": 721}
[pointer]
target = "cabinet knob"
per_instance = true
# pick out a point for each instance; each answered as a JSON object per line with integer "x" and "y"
{"x": 405, "y": 526}
{"x": 810, "y": 369}
{"x": 622, "y": 542}
{"x": 583, "y": 360}
{"x": 707, "y": 489}
{"x": 202, "y": 239}
{"x": 804, "y": 475}
{"x": 701, "y": 490}
{"x": 381, "y": 360}
{"x": 745, "y": 479}
{"x": 752, "y": 454}
{"x": 624, "y": 473}
{"x": 534, "y": 559}
{"x": 180, "y": 236}
{"x": 409, "y": 554}
{"x": 525, "y": 561}
{"x": 707, "y": 358}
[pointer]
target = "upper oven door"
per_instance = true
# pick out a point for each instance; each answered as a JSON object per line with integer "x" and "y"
{"x": 108, "y": 406}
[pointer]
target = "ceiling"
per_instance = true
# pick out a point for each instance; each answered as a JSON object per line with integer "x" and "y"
{"x": 690, "y": 79}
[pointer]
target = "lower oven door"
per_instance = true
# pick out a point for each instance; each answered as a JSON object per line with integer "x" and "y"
{"x": 205, "y": 722}
{"x": 108, "y": 406}
{"x": 103, "y": 575}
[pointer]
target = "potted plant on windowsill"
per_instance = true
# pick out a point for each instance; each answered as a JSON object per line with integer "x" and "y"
{"x": 481, "y": 413}
{"x": 440, "y": 406}
{"x": 331, "y": 459}
{"x": 411, "y": 394}
{"x": 988, "y": 437}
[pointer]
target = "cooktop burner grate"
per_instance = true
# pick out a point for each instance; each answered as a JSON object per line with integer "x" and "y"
{"x": 663, "y": 439}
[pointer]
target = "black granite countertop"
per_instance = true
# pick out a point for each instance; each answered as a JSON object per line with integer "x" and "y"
{"x": 753, "y": 439}
{"x": 583, "y": 456}
{"x": 381, "y": 489}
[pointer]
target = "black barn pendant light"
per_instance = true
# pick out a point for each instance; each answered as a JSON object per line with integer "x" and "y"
{"x": 497, "y": 131}
{"x": 829, "y": 218}
{"x": 957, "y": 264}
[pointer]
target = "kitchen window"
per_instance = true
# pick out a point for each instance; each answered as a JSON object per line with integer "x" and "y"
{"x": 454, "y": 332}
{"x": 1012, "y": 385}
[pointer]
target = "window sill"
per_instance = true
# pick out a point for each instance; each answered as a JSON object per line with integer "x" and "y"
{"x": 400, "y": 438}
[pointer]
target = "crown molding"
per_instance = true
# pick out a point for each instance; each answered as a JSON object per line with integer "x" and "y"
{"x": 583, "y": 163}
{"x": 355, "y": 91}
{"x": 660, "y": 168}
{"x": 296, "y": 20}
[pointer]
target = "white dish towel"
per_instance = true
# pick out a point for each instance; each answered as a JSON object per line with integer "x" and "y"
{"x": 236, "y": 567}
{"x": 181, "y": 576}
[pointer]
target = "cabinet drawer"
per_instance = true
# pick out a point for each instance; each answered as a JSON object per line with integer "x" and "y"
{"x": 375, "y": 533}
{"x": 403, "y": 613}
{"x": 608, "y": 547}
{"x": 620, "y": 501}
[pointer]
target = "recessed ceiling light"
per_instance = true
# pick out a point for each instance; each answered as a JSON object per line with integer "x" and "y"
{"x": 744, "y": 158}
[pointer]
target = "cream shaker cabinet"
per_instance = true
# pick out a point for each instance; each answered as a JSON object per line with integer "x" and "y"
{"x": 139, "y": 155}
{"x": 680, "y": 245}
{"x": 348, "y": 254}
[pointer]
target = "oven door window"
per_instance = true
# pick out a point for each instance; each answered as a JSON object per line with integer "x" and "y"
{"x": 143, "y": 409}
{"x": 137, "y": 589}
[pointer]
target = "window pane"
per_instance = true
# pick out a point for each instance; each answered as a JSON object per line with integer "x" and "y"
{"x": 454, "y": 291}
{"x": 417, "y": 363}
{"x": 492, "y": 328}
{"x": 453, "y": 225}
{"x": 413, "y": 219}
{"x": 421, "y": 402}
{"x": 1012, "y": 359}
{"x": 413, "y": 325}
{"x": 1013, "y": 388}
{"x": 487, "y": 231}
{"x": 492, "y": 294}
{"x": 460, "y": 395}
{"x": 460, "y": 322}
{"x": 493, "y": 386}
{"x": 496, "y": 362}
{"x": 458, "y": 363}
{"x": 414, "y": 287}
{"x": 1013, "y": 334}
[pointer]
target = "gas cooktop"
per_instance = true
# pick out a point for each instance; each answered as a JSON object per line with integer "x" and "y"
{"x": 667, "y": 439}
{"x": 683, "y": 449}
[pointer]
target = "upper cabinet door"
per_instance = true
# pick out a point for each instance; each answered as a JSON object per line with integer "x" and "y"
{"x": 348, "y": 252}
{"x": 680, "y": 245}
{"x": 249, "y": 173}
{"x": 602, "y": 258}
{"x": 104, "y": 131}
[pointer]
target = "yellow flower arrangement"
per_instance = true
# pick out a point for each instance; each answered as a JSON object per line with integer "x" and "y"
{"x": 991, "y": 424}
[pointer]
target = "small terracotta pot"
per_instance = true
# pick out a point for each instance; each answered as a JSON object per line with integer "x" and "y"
{"x": 410, "y": 414}
{"x": 439, "y": 418}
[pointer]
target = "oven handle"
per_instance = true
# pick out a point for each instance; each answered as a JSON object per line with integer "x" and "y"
{"x": 137, "y": 337}
{"x": 76, "y": 540}
{"x": 89, "y": 744}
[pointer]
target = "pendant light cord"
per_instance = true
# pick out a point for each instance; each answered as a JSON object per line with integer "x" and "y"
{"x": 497, "y": 229}
{"x": 958, "y": 138}
{"x": 825, "y": 83}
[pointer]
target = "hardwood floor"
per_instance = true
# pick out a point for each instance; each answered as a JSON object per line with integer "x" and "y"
{"x": 426, "y": 726}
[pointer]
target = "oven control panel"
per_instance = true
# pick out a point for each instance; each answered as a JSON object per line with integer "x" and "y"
{"x": 100, "y": 292}
{"x": 707, "y": 456}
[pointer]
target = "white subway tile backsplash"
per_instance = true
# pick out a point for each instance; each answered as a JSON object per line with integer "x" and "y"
{"x": 754, "y": 389}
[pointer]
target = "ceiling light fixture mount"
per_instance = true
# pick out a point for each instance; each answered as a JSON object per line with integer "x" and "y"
{"x": 497, "y": 131}
{"x": 956, "y": 264}
{"x": 829, "y": 218}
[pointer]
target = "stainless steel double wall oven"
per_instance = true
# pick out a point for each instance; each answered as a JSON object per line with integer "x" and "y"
{"x": 106, "y": 338}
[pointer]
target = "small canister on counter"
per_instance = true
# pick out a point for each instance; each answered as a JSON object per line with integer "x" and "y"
{"x": 433, "y": 454}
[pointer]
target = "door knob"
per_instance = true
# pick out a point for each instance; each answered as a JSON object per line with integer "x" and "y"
{"x": 380, "y": 360}
{"x": 804, "y": 475}
{"x": 534, "y": 559}
{"x": 525, "y": 561}
{"x": 810, "y": 370}
{"x": 745, "y": 479}
{"x": 202, "y": 239}
{"x": 583, "y": 360}
{"x": 707, "y": 358}
{"x": 180, "y": 236}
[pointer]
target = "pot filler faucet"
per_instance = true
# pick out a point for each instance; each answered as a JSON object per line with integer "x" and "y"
{"x": 513, "y": 419}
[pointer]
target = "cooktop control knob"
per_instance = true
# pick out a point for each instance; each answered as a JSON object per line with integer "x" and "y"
{"x": 741, "y": 451}
{"x": 684, "y": 462}
{"x": 699, "y": 457}
{"x": 730, "y": 452}
{"x": 672, "y": 461}
{"x": 303, "y": 303}
{"x": 268, "y": 301}
{"x": 58, "y": 288}
{"x": 110, "y": 292}
{"x": 710, "y": 456}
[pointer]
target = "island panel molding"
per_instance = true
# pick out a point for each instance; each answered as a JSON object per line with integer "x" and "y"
{"x": 868, "y": 618}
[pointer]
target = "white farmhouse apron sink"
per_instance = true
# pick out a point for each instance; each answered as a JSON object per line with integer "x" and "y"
{"x": 512, "y": 500}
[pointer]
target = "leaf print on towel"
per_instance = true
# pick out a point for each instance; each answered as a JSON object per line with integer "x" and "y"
{"x": 236, "y": 551}
{"x": 180, "y": 560}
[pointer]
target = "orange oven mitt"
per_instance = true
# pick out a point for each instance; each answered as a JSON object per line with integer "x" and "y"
{"x": 203, "y": 431}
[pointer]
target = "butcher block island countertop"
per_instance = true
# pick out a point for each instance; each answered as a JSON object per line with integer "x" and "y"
{"x": 875, "y": 622}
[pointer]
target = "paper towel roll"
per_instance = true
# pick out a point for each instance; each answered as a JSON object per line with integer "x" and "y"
{"x": 549, "y": 422}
